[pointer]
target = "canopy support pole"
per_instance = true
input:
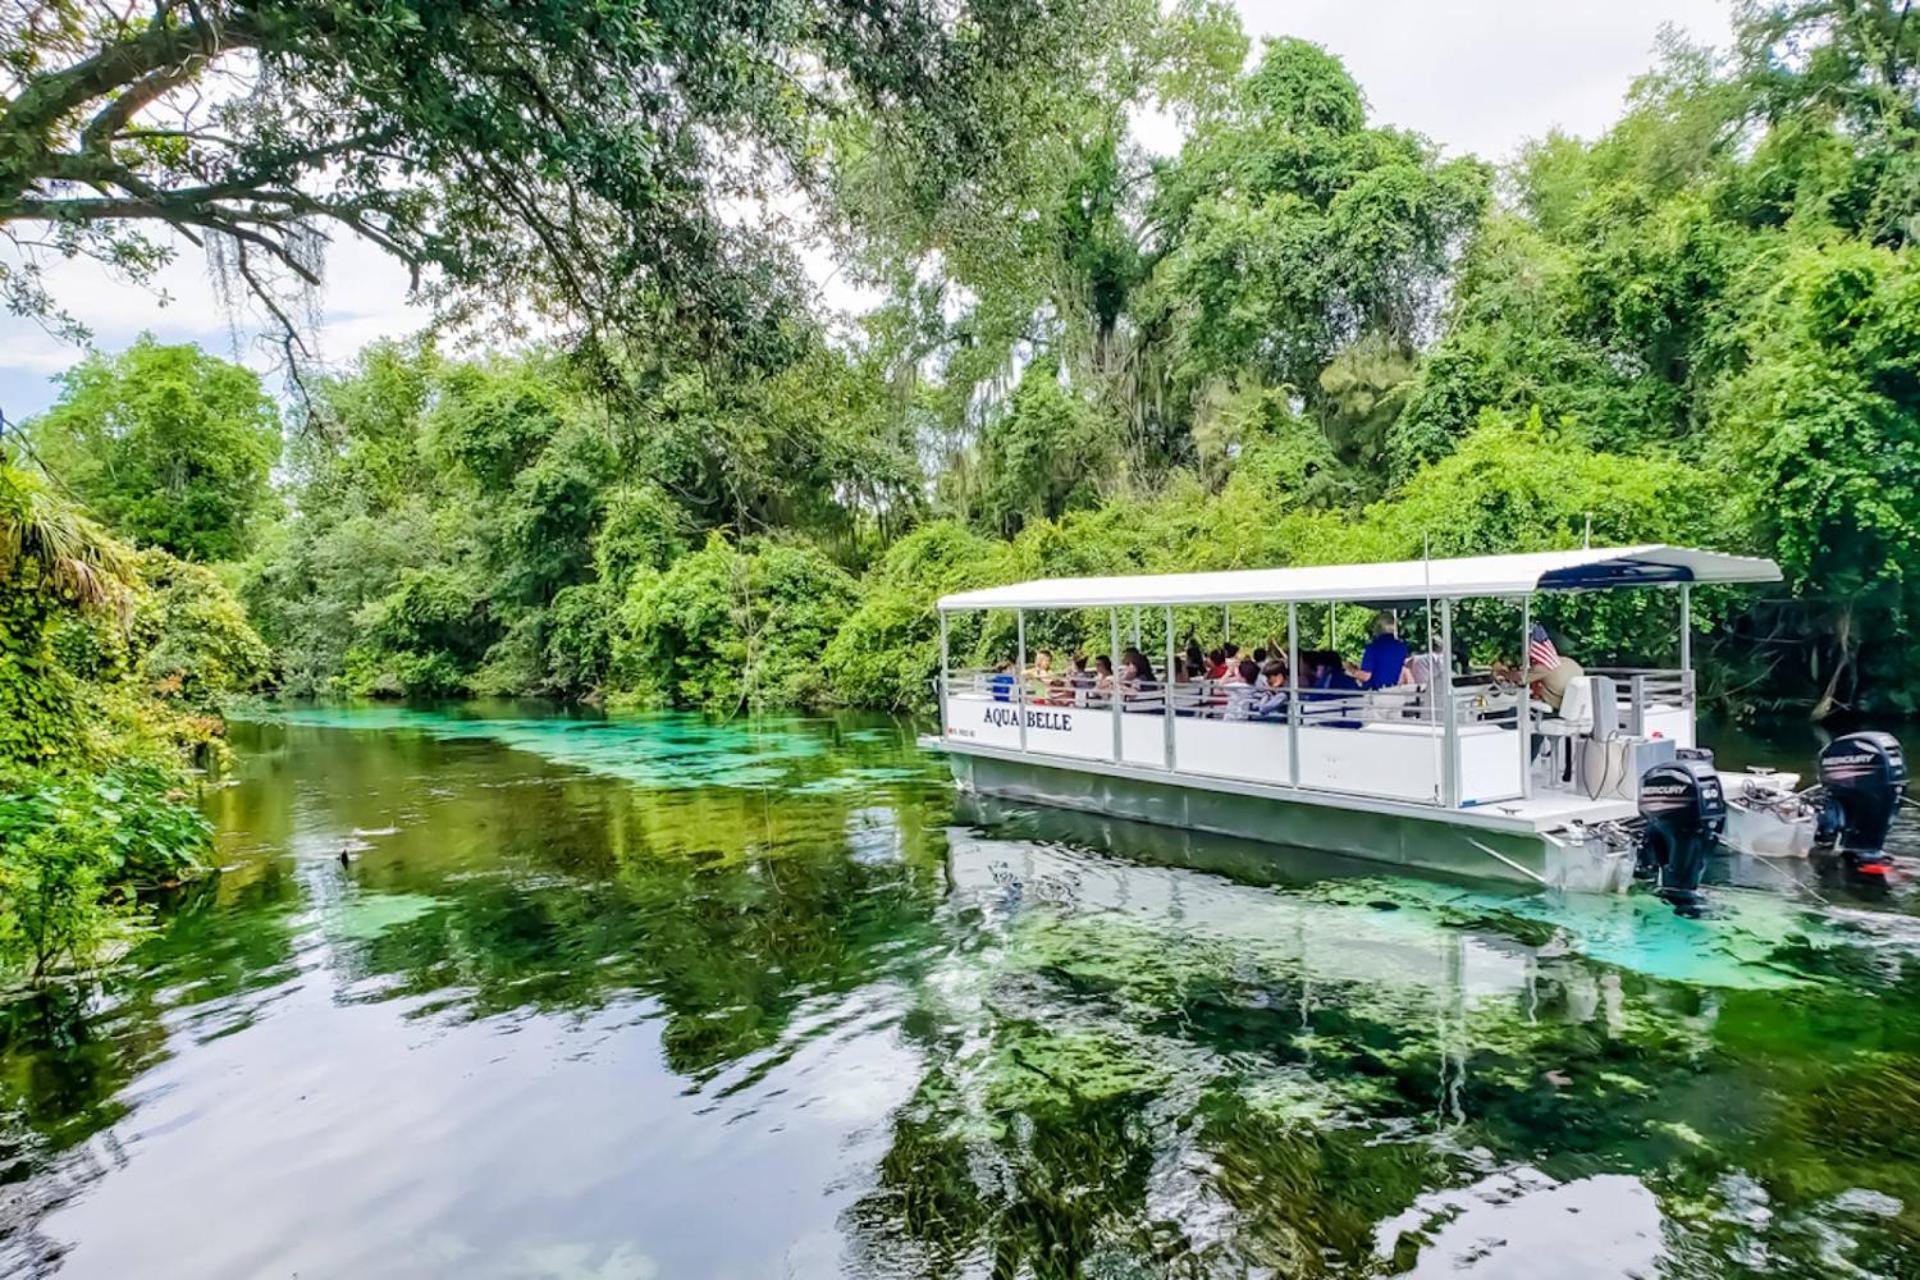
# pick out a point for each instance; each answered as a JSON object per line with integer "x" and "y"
{"x": 1113, "y": 683}
{"x": 1293, "y": 692}
{"x": 1136, "y": 626}
{"x": 1433, "y": 676}
{"x": 1687, "y": 699}
{"x": 1166, "y": 690}
{"x": 1020, "y": 675}
{"x": 1226, "y": 623}
{"x": 1686, "y": 635}
{"x": 1449, "y": 713}
{"x": 1523, "y": 703}
{"x": 945, "y": 722}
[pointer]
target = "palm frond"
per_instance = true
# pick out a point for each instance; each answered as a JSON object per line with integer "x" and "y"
{"x": 70, "y": 549}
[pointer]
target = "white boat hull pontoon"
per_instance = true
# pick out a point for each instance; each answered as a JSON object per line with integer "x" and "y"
{"x": 1460, "y": 775}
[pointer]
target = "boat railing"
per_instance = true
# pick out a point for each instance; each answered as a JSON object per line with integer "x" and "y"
{"x": 1651, "y": 699}
{"x": 1211, "y": 699}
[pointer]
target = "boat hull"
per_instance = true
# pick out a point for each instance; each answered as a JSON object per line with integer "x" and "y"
{"x": 1402, "y": 840}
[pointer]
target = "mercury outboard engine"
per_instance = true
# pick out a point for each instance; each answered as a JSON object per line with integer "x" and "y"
{"x": 1861, "y": 778}
{"x": 1683, "y": 811}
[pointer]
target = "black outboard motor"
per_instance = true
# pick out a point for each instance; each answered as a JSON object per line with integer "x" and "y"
{"x": 1683, "y": 811}
{"x": 1861, "y": 777}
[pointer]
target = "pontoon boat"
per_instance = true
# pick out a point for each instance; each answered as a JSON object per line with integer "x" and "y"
{"x": 1461, "y": 774}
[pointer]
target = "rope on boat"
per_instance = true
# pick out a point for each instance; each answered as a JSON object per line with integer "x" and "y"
{"x": 1496, "y": 854}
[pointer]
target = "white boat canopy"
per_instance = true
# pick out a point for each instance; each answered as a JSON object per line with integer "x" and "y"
{"x": 1589, "y": 569}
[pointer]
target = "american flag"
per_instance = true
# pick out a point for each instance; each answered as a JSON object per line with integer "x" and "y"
{"x": 1540, "y": 650}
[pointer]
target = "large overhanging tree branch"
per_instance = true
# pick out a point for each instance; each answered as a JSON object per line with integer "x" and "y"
{"x": 583, "y": 160}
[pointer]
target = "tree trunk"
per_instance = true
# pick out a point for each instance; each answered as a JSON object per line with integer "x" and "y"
{"x": 1843, "y": 644}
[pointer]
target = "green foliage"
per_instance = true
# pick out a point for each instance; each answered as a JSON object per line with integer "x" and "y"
{"x": 1042, "y": 456}
{"x": 581, "y": 159}
{"x": 57, "y": 567}
{"x": 1724, "y": 274}
{"x": 192, "y": 636}
{"x": 729, "y": 627}
{"x": 1824, "y": 427}
{"x": 423, "y": 637}
{"x": 91, "y": 762}
{"x": 1295, "y": 229}
{"x": 69, "y": 847}
{"x": 642, "y": 528}
{"x": 1305, "y": 339}
{"x": 171, "y": 446}
{"x": 886, "y": 653}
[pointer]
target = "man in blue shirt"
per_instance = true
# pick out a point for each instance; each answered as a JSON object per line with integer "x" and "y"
{"x": 1386, "y": 655}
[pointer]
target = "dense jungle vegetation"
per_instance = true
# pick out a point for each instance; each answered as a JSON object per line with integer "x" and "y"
{"x": 1305, "y": 337}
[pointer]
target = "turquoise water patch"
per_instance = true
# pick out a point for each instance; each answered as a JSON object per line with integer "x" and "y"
{"x": 1739, "y": 946}
{"x": 663, "y": 749}
{"x": 365, "y": 916}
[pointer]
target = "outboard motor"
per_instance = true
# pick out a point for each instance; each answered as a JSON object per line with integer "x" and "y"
{"x": 1861, "y": 778}
{"x": 1683, "y": 812}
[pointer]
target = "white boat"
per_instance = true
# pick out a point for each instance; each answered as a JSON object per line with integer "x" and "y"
{"x": 1463, "y": 774}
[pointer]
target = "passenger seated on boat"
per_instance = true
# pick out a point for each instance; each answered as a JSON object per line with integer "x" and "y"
{"x": 1002, "y": 682}
{"x": 1080, "y": 680}
{"x": 1329, "y": 683}
{"x": 1270, "y": 695}
{"x": 1186, "y": 687}
{"x": 1216, "y": 664}
{"x": 1329, "y": 672}
{"x": 1424, "y": 669}
{"x": 1548, "y": 673}
{"x": 1385, "y": 658}
{"x": 1548, "y": 676}
{"x": 1138, "y": 682}
{"x": 1242, "y": 686}
{"x": 1043, "y": 682}
{"x": 1102, "y": 680}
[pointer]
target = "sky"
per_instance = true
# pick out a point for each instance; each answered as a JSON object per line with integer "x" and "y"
{"x": 1475, "y": 76}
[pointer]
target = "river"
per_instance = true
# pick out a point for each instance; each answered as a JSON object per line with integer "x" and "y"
{"x": 491, "y": 991}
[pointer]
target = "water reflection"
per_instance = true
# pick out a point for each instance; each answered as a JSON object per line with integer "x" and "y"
{"x": 664, "y": 997}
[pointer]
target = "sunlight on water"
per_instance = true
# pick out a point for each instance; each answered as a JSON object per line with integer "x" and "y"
{"x": 488, "y": 992}
{"x": 659, "y": 750}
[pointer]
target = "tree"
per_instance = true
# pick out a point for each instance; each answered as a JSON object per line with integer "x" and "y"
{"x": 573, "y": 157}
{"x": 733, "y": 626}
{"x": 1824, "y": 425}
{"x": 1041, "y": 455}
{"x": 171, "y": 446}
{"x": 1044, "y": 262}
{"x": 1291, "y": 229}
{"x": 1837, "y": 81}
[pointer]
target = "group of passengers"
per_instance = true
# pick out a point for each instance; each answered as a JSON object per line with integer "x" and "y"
{"x": 1242, "y": 685}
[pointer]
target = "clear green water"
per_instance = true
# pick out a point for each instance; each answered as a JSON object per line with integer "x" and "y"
{"x": 659, "y": 997}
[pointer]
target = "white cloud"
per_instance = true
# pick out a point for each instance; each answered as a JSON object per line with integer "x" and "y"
{"x": 1479, "y": 76}
{"x": 1483, "y": 76}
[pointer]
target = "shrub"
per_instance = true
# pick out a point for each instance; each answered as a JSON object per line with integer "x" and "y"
{"x": 423, "y": 638}
{"x": 730, "y": 626}
{"x": 192, "y": 634}
{"x": 70, "y": 847}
